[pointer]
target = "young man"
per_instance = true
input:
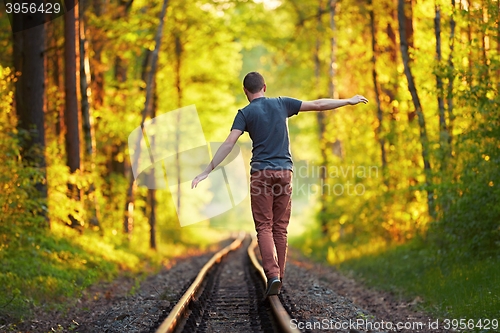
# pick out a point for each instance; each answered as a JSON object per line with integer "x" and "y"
{"x": 266, "y": 121}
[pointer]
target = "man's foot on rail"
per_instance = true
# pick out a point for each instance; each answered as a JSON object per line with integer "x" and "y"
{"x": 273, "y": 287}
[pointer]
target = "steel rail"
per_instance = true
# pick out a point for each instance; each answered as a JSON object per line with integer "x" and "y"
{"x": 280, "y": 314}
{"x": 177, "y": 312}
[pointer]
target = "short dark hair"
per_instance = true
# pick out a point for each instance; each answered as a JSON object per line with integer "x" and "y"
{"x": 253, "y": 82}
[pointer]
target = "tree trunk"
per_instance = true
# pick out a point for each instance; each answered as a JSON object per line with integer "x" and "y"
{"x": 152, "y": 191}
{"x": 97, "y": 79}
{"x": 29, "y": 62}
{"x": 152, "y": 218}
{"x": 391, "y": 88}
{"x": 469, "y": 76}
{"x": 424, "y": 141}
{"x": 333, "y": 46}
{"x": 409, "y": 23}
{"x": 72, "y": 119}
{"x": 178, "y": 66}
{"x": 29, "y": 101}
{"x": 128, "y": 221}
{"x": 57, "y": 74}
{"x": 443, "y": 128}
{"x": 485, "y": 70}
{"x": 120, "y": 167}
{"x": 88, "y": 120}
{"x": 337, "y": 144}
{"x": 378, "y": 131}
{"x": 120, "y": 68}
{"x": 84, "y": 86}
{"x": 451, "y": 78}
{"x": 498, "y": 42}
{"x": 72, "y": 114}
{"x": 320, "y": 117}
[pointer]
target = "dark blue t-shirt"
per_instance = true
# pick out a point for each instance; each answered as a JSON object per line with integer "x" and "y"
{"x": 266, "y": 121}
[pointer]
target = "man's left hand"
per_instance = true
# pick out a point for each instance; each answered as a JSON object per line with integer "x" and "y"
{"x": 357, "y": 99}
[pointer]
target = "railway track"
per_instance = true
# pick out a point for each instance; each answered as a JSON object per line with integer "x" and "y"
{"x": 228, "y": 296}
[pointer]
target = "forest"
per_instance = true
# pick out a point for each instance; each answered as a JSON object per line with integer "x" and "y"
{"x": 410, "y": 178}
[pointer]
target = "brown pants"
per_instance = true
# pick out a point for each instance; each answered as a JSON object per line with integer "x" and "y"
{"x": 270, "y": 193}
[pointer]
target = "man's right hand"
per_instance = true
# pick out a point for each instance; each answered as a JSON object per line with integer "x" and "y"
{"x": 357, "y": 99}
{"x": 198, "y": 179}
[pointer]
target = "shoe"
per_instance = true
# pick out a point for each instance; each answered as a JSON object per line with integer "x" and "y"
{"x": 273, "y": 287}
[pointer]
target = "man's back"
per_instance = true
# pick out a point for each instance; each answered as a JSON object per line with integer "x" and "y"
{"x": 265, "y": 119}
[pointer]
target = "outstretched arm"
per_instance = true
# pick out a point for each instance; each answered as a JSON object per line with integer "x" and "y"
{"x": 330, "y": 104}
{"x": 219, "y": 156}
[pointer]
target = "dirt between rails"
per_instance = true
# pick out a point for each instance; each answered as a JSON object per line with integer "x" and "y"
{"x": 320, "y": 299}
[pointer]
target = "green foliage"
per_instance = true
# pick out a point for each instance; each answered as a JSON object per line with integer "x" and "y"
{"x": 393, "y": 207}
{"x": 41, "y": 267}
{"x": 470, "y": 226}
{"x": 449, "y": 259}
{"x": 49, "y": 269}
{"x": 19, "y": 202}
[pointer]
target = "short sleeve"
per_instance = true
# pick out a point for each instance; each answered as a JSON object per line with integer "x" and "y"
{"x": 239, "y": 122}
{"x": 292, "y": 105}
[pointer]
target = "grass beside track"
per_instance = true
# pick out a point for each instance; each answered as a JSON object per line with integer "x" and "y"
{"x": 47, "y": 269}
{"x": 453, "y": 288}
{"x": 450, "y": 286}
{"x": 50, "y": 269}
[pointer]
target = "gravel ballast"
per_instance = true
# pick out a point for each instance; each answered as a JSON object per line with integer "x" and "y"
{"x": 318, "y": 297}
{"x": 322, "y": 299}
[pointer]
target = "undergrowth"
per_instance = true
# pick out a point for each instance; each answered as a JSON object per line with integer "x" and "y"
{"x": 49, "y": 269}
